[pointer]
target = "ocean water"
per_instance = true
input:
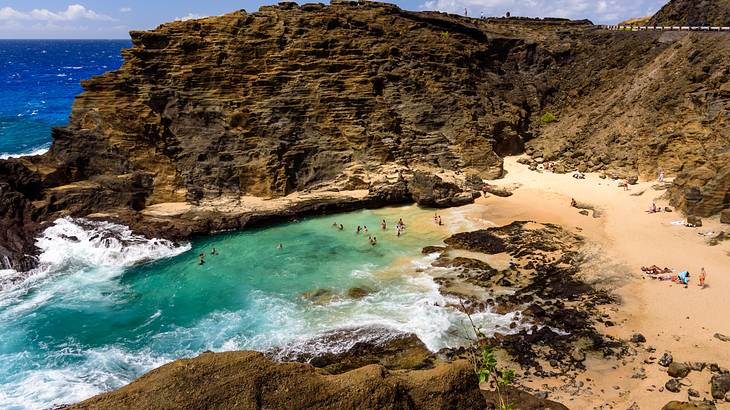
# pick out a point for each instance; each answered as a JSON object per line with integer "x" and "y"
{"x": 39, "y": 80}
{"x": 106, "y": 306}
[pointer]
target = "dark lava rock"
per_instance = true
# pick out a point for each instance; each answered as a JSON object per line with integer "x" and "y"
{"x": 673, "y": 385}
{"x": 500, "y": 192}
{"x": 638, "y": 338}
{"x": 368, "y": 345}
{"x": 720, "y": 385}
{"x": 358, "y": 293}
{"x": 693, "y": 393}
{"x": 433, "y": 249}
{"x": 694, "y": 221}
{"x": 678, "y": 370}
{"x": 721, "y": 337}
{"x": 666, "y": 360}
{"x": 725, "y": 216}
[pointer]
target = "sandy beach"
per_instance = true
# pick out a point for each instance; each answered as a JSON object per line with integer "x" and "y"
{"x": 620, "y": 240}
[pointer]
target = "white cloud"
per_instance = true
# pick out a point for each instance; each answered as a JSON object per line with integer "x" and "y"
{"x": 125, "y": 9}
{"x": 190, "y": 16}
{"x": 601, "y": 11}
{"x": 74, "y": 12}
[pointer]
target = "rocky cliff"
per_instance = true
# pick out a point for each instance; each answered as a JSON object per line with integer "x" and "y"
{"x": 693, "y": 13}
{"x": 222, "y": 122}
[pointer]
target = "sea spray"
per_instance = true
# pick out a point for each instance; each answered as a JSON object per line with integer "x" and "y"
{"x": 105, "y": 308}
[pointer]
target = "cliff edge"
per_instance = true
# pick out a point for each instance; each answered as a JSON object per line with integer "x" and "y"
{"x": 223, "y": 122}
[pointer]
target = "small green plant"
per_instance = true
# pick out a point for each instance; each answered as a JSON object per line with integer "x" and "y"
{"x": 485, "y": 363}
{"x": 445, "y": 34}
{"x": 548, "y": 118}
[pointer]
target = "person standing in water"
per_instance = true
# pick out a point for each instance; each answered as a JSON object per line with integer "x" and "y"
{"x": 280, "y": 246}
{"x": 384, "y": 225}
{"x": 440, "y": 222}
{"x": 365, "y": 229}
{"x": 341, "y": 227}
{"x": 202, "y": 258}
{"x": 214, "y": 251}
{"x": 358, "y": 230}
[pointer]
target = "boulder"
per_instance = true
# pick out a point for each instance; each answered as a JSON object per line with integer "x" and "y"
{"x": 673, "y": 385}
{"x": 666, "y": 360}
{"x": 249, "y": 380}
{"x": 678, "y": 370}
{"x": 720, "y": 385}
{"x": 632, "y": 180}
{"x": 725, "y": 216}
{"x": 683, "y": 405}
{"x": 638, "y": 338}
{"x": 694, "y": 221}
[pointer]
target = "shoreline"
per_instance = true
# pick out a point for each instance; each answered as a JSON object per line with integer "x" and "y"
{"x": 624, "y": 238}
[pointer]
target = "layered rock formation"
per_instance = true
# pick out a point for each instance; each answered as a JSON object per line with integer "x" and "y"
{"x": 693, "y": 13}
{"x": 221, "y": 122}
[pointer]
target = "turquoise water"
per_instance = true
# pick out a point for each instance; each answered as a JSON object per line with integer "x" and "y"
{"x": 108, "y": 305}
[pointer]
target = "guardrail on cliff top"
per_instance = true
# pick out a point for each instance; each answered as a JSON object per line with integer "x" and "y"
{"x": 663, "y": 28}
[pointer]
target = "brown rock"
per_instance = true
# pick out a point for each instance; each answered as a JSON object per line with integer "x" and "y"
{"x": 678, "y": 370}
{"x": 248, "y": 380}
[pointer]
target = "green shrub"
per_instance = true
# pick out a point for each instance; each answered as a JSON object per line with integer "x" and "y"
{"x": 548, "y": 118}
{"x": 445, "y": 34}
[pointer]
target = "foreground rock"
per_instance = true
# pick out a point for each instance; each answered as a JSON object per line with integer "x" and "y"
{"x": 543, "y": 283}
{"x": 248, "y": 380}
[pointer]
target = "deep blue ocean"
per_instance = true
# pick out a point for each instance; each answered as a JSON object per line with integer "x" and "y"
{"x": 38, "y": 82}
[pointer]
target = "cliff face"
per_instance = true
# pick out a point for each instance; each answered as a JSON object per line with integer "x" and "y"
{"x": 363, "y": 104}
{"x": 693, "y": 13}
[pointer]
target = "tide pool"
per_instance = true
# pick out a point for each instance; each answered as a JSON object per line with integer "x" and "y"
{"x": 107, "y": 305}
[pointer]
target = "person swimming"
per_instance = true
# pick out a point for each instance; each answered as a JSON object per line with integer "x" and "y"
{"x": 374, "y": 241}
{"x": 334, "y": 224}
{"x": 341, "y": 227}
{"x": 280, "y": 246}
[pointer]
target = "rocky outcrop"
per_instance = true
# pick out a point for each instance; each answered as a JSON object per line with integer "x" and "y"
{"x": 248, "y": 380}
{"x": 366, "y": 104}
{"x": 693, "y": 13}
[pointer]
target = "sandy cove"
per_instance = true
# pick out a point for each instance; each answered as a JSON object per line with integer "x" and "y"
{"x": 674, "y": 319}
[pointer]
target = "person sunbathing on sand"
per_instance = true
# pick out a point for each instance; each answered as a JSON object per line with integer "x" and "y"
{"x": 652, "y": 209}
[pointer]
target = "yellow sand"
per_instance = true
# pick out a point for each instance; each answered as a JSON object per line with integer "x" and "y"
{"x": 673, "y": 319}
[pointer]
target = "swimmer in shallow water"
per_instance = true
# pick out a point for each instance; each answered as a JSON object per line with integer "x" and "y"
{"x": 214, "y": 251}
{"x": 280, "y": 246}
{"x": 358, "y": 230}
{"x": 341, "y": 227}
{"x": 202, "y": 258}
{"x": 384, "y": 225}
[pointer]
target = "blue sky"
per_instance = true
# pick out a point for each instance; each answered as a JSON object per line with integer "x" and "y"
{"x": 114, "y": 18}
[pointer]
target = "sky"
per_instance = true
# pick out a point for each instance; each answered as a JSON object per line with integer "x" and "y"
{"x": 113, "y": 19}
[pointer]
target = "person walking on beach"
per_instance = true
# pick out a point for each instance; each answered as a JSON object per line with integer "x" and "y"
{"x": 202, "y": 258}
{"x": 703, "y": 275}
{"x": 661, "y": 176}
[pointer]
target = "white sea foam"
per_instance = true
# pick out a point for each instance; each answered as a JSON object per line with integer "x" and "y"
{"x": 34, "y": 151}
{"x": 86, "y": 252}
